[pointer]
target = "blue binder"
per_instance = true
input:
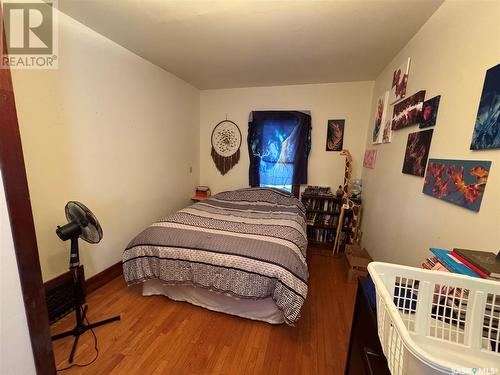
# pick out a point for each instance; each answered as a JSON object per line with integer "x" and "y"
{"x": 451, "y": 263}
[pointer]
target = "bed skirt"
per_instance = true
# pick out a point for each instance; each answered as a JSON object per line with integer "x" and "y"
{"x": 261, "y": 309}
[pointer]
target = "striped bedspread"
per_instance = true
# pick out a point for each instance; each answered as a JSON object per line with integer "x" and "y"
{"x": 249, "y": 243}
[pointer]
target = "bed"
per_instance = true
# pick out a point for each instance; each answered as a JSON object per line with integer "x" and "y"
{"x": 240, "y": 252}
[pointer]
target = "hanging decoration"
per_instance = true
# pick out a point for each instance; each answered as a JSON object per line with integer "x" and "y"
{"x": 226, "y": 142}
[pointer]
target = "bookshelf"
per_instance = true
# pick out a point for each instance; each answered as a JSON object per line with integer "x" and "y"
{"x": 322, "y": 218}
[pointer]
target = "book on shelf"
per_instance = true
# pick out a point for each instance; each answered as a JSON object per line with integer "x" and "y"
{"x": 321, "y": 204}
{"x": 486, "y": 264}
{"x": 451, "y": 263}
{"x": 321, "y": 235}
{"x": 318, "y": 190}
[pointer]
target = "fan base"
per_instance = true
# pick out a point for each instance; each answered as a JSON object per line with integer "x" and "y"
{"x": 80, "y": 329}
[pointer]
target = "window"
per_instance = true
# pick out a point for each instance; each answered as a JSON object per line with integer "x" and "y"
{"x": 279, "y": 144}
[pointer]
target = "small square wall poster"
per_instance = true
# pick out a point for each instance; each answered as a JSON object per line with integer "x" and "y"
{"x": 399, "y": 82}
{"x": 370, "y": 158}
{"x": 335, "y": 135}
{"x": 407, "y": 112}
{"x": 487, "y": 129}
{"x": 380, "y": 116}
{"x": 387, "y": 133}
{"x": 417, "y": 152}
{"x": 429, "y": 112}
{"x": 461, "y": 182}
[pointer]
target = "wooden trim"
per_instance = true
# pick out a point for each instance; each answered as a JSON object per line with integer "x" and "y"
{"x": 22, "y": 226}
{"x": 92, "y": 283}
{"x": 103, "y": 277}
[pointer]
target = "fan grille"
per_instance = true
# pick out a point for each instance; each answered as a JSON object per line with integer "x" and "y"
{"x": 79, "y": 213}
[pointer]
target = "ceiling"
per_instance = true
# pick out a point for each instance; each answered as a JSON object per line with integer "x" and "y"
{"x": 242, "y": 43}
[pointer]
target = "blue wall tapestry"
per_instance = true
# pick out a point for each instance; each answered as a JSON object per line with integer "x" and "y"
{"x": 278, "y": 145}
{"x": 487, "y": 129}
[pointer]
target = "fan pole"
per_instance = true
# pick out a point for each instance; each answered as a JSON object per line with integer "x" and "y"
{"x": 74, "y": 257}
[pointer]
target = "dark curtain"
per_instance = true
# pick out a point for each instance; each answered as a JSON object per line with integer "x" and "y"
{"x": 278, "y": 145}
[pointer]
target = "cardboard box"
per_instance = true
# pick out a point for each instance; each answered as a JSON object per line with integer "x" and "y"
{"x": 357, "y": 260}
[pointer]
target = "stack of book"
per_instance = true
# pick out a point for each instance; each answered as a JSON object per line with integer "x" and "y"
{"x": 318, "y": 190}
{"x": 485, "y": 264}
{"x": 433, "y": 263}
{"x": 466, "y": 262}
{"x": 202, "y": 192}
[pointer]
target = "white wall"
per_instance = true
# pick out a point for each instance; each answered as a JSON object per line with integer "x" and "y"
{"x": 16, "y": 356}
{"x": 108, "y": 129}
{"x": 450, "y": 56}
{"x": 349, "y": 101}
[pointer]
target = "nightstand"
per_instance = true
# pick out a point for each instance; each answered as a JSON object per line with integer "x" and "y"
{"x": 196, "y": 199}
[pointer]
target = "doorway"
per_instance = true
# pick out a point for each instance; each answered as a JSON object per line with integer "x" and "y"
{"x": 21, "y": 220}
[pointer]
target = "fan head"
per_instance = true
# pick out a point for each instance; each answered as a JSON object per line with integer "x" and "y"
{"x": 78, "y": 213}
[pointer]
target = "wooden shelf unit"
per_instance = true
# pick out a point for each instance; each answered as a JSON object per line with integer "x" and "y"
{"x": 322, "y": 215}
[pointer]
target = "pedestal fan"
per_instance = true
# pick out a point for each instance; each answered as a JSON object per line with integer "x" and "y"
{"x": 81, "y": 224}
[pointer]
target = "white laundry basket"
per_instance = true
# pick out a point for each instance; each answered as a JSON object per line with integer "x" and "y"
{"x": 432, "y": 322}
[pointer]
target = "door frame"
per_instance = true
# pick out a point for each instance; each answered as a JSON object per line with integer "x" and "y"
{"x": 22, "y": 226}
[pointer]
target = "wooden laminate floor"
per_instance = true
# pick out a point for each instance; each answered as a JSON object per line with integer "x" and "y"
{"x": 159, "y": 336}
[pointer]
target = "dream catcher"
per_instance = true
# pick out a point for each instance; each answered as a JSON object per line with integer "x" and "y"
{"x": 226, "y": 142}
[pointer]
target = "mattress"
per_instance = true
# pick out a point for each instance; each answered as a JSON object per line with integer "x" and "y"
{"x": 262, "y": 309}
{"x": 248, "y": 243}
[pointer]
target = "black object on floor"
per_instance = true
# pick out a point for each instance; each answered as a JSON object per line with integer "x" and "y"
{"x": 81, "y": 224}
{"x": 365, "y": 355}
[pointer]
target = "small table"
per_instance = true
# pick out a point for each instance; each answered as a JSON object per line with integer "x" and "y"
{"x": 197, "y": 199}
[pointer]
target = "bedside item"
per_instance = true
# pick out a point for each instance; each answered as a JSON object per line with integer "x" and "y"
{"x": 196, "y": 199}
{"x": 226, "y": 142}
{"x": 201, "y": 192}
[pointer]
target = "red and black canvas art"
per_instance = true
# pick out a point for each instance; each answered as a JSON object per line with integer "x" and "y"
{"x": 429, "y": 112}
{"x": 407, "y": 112}
{"x": 417, "y": 152}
